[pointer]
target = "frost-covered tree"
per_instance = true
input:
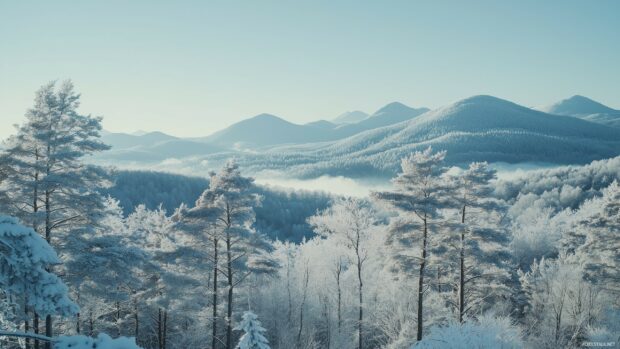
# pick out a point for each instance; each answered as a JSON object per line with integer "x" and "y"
{"x": 107, "y": 256}
{"x": 487, "y": 332}
{"x": 165, "y": 280}
{"x": 597, "y": 242}
{"x": 350, "y": 222}
{"x": 45, "y": 160}
{"x": 253, "y": 333}
{"x": 560, "y": 304}
{"x": 48, "y": 184}
{"x": 419, "y": 195}
{"x": 25, "y": 258}
{"x": 231, "y": 198}
{"x": 537, "y": 234}
{"x": 4, "y": 173}
{"x": 478, "y": 245}
{"x": 200, "y": 223}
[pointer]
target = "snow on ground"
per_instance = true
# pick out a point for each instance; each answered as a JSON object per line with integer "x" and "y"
{"x": 103, "y": 341}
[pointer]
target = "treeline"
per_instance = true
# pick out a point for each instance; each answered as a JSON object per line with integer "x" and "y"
{"x": 281, "y": 215}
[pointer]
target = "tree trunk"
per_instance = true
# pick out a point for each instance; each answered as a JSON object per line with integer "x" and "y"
{"x": 215, "y": 274}
{"x": 288, "y": 288}
{"x": 360, "y": 319}
{"x": 159, "y": 336}
{"x": 328, "y": 334}
{"x": 165, "y": 335}
{"x": 136, "y": 319}
{"x": 26, "y": 323}
{"x": 302, "y": 306}
{"x": 462, "y": 271}
{"x": 421, "y": 283}
{"x": 35, "y": 324}
{"x": 118, "y": 318}
{"x": 35, "y": 226}
{"x": 35, "y": 196}
{"x": 229, "y": 312}
{"x": 48, "y": 330}
{"x": 48, "y": 236}
{"x": 91, "y": 321}
{"x": 338, "y": 272}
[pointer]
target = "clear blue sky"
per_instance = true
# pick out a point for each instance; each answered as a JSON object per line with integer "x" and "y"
{"x": 192, "y": 67}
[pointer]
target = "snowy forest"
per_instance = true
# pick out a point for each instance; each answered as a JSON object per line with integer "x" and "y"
{"x": 446, "y": 256}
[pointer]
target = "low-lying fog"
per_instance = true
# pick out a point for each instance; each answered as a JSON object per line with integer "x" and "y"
{"x": 362, "y": 187}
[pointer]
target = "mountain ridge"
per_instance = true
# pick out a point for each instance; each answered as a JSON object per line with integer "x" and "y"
{"x": 270, "y": 130}
{"x": 585, "y": 108}
{"x": 478, "y": 128}
{"x": 350, "y": 117}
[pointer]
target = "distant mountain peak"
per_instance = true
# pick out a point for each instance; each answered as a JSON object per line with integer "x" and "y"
{"x": 485, "y": 101}
{"x": 321, "y": 123}
{"x": 266, "y": 117}
{"x": 578, "y": 105}
{"x": 580, "y": 97}
{"x": 156, "y": 134}
{"x": 483, "y": 98}
{"x": 350, "y": 117}
{"x": 393, "y": 107}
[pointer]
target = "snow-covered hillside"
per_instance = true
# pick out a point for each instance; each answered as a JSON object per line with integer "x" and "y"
{"x": 266, "y": 129}
{"x": 587, "y": 109}
{"x": 150, "y": 147}
{"x": 479, "y": 128}
{"x": 259, "y": 131}
{"x": 350, "y": 117}
{"x": 269, "y": 130}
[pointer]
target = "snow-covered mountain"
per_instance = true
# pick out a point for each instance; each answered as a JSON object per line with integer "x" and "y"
{"x": 396, "y": 112}
{"x": 269, "y": 130}
{"x": 587, "y": 109}
{"x": 479, "y": 128}
{"x": 120, "y": 140}
{"x": 152, "y": 146}
{"x": 350, "y": 117}
{"x": 390, "y": 114}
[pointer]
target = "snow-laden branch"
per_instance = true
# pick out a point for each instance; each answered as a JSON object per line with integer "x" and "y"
{"x": 25, "y": 335}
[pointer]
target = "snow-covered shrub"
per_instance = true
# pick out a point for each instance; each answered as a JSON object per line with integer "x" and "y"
{"x": 253, "y": 337}
{"x": 488, "y": 332}
{"x": 103, "y": 341}
{"x": 24, "y": 260}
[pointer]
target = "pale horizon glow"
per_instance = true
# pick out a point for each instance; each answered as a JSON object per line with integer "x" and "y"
{"x": 190, "y": 68}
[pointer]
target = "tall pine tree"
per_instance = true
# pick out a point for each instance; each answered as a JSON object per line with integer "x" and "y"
{"x": 230, "y": 202}
{"x": 419, "y": 194}
{"x": 477, "y": 243}
{"x": 50, "y": 186}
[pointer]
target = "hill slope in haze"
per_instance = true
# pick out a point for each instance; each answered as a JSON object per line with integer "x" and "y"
{"x": 149, "y": 147}
{"x": 587, "y": 109}
{"x": 350, "y": 117}
{"x": 268, "y": 130}
{"x": 480, "y": 128}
